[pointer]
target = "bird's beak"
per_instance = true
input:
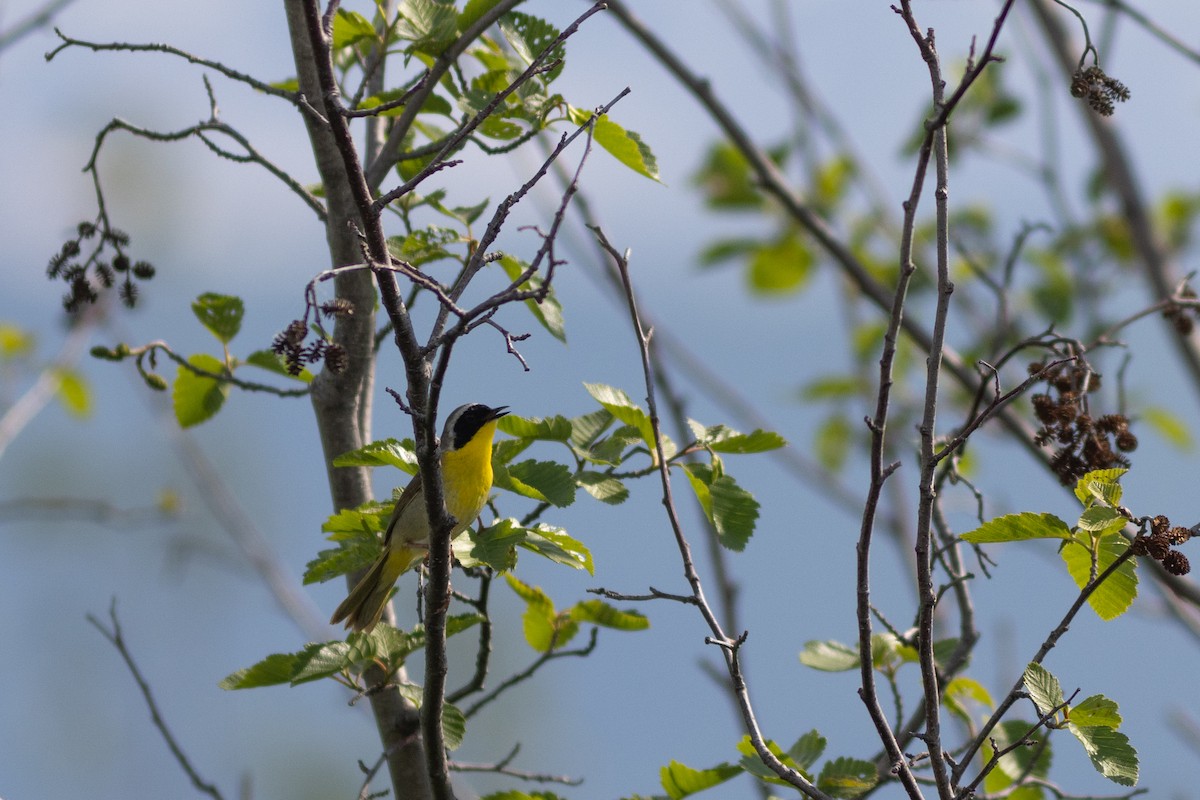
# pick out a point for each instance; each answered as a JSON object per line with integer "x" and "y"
{"x": 498, "y": 412}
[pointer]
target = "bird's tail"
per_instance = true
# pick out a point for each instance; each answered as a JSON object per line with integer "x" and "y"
{"x": 363, "y": 607}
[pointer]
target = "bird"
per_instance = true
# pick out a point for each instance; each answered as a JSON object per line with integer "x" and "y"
{"x": 465, "y": 449}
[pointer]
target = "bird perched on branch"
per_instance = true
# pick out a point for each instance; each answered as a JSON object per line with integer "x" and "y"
{"x": 466, "y": 453}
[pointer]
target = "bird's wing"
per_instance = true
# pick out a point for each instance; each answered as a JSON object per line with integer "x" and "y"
{"x": 411, "y": 493}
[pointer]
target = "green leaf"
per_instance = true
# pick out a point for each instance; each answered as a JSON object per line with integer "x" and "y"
{"x": 1017, "y": 762}
{"x": 961, "y": 689}
{"x": 424, "y": 245}
{"x": 782, "y": 266}
{"x": 1169, "y": 426}
{"x": 546, "y": 481}
{"x": 552, "y": 429}
{"x": 554, "y": 544}
{"x": 271, "y": 671}
{"x": 548, "y": 310}
{"x": 587, "y": 428}
{"x": 220, "y": 313}
{"x": 603, "y": 487}
{"x": 340, "y": 560}
{"x": 383, "y": 453}
{"x": 1019, "y": 527}
{"x": 1100, "y": 484}
{"x": 430, "y": 25}
{"x": 358, "y": 524}
{"x": 625, "y": 146}
{"x": 265, "y": 359}
{"x": 598, "y": 612}
{"x": 73, "y": 392}
{"x": 494, "y": 546}
{"x": 617, "y": 403}
{"x": 1044, "y": 689}
{"x": 726, "y": 440}
{"x": 834, "y": 387}
{"x": 197, "y": 397}
{"x": 847, "y": 777}
{"x": 751, "y": 762}
{"x": 832, "y": 442}
{"x": 726, "y": 180}
{"x": 731, "y": 509}
{"x": 350, "y": 27}
{"x": 829, "y": 656}
{"x": 473, "y": 10}
{"x": 1102, "y": 520}
{"x": 529, "y": 36}
{"x": 1096, "y": 711}
{"x": 454, "y": 722}
{"x": 807, "y": 749}
{"x": 539, "y": 620}
{"x": 320, "y": 661}
{"x": 513, "y": 794}
{"x": 1113, "y": 597}
{"x": 1110, "y": 752}
{"x": 680, "y": 780}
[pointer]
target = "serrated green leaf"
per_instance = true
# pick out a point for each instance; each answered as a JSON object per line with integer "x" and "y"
{"x": 320, "y": 661}
{"x": 807, "y": 749}
{"x": 546, "y": 481}
{"x": 554, "y": 544}
{"x": 625, "y": 146}
{"x": 587, "y": 428}
{"x": 454, "y": 722}
{"x": 550, "y": 429}
{"x": 617, "y": 403}
{"x": 604, "y": 488}
{"x": 430, "y": 25}
{"x": 1100, "y": 484}
{"x": 829, "y": 656}
{"x": 265, "y": 359}
{"x": 473, "y": 10}
{"x": 273, "y": 670}
{"x": 350, "y": 27}
{"x": 221, "y": 314}
{"x": 529, "y": 37}
{"x": 734, "y": 512}
{"x": 726, "y": 440}
{"x": 1112, "y": 598}
{"x": 1019, "y": 527}
{"x": 680, "y": 780}
{"x": 73, "y": 392}
{"x": 1044, "y": 689}
{"x": 752, "y": 763}
{"x": 494, "y": 546}
{"x": 847, "y": 777}
{"x": 1102, "y": 520}
{"x": 424, "y": 245}
{"x": 598, "y": 612}
{"x": 197, "y": 398}
{"x": 358, "y": 524}
{"x": 383, "y": 453}
{"x": 1095, "y": 711}
{"x": 1110, "y": 752}
{"x": 1169, "y": 426}
{"x": 339, "y": 561}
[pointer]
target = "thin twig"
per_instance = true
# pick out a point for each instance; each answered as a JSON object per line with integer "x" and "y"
{"x": 116, "y": 638}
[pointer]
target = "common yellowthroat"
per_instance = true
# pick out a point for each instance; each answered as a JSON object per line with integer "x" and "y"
{"x": 466, "y": 453}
